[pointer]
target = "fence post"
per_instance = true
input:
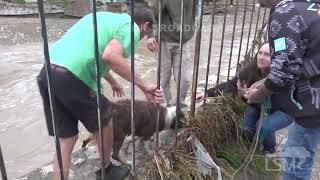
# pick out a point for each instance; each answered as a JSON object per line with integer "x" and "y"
{"x": 233, "y": 34}
{"x": 196, "y": 62}
{"x": 242, "y": 33}
{"x": 222, "y": 41}
{"x": 158, "y": 73}
{"x": 98, "y": 83}
{"x": 2, "y": 166}
{"x": 132, "y": 93}
{"x": 50, "y": 89}
{"x": 210, "y": 48}
{"x": 182, "y": 9}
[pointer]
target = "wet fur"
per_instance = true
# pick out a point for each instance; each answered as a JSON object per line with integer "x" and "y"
{"x": 145, "y": 121}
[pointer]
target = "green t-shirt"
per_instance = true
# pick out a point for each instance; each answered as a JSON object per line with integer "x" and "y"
{"x": 75, "y": 50}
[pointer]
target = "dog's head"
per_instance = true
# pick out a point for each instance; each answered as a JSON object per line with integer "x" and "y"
{"x": 171, "y": 118}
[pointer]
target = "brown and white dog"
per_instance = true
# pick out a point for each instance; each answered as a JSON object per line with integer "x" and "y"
{"x": 145, "y": 121}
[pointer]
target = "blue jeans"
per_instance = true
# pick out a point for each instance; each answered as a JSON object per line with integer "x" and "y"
{"x": 299, "y": 152}
{"x": 276, "y": 120}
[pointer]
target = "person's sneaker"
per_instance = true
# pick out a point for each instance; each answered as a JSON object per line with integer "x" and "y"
{"x": 106, "y": 170}
{"x": 113, "y": 172}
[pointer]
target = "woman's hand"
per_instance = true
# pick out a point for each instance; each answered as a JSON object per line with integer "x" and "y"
{"x": 242, "y": 88}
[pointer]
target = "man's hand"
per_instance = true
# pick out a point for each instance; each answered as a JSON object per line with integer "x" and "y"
{"x": 254, "y": 95}
{"x": 117, "y": 90}
{"x": 257, "y": 92}
{"x": 259, "y": 84}
{"x": 116, "y": 87}
{"x": 153, "y": 94}
{"x": 153, "y": 45}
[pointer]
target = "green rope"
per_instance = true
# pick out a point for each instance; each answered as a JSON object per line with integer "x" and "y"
{"x": 292, "y": 89}
{"x": 266, "y": 112}
{"x": 266, "y": 106}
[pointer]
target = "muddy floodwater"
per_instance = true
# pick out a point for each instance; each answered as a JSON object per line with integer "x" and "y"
{"x": 23, "y": 135}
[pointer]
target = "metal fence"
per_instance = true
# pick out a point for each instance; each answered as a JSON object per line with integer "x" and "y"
{"x": 246, "y": 34}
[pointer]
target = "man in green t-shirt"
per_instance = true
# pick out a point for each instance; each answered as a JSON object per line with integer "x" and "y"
{"x": 74, "y": 77}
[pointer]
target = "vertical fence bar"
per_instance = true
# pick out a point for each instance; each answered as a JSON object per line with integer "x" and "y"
{"x": 179, "y": 73}
{"x": 49, "y": 81}
{"x": 210, "y": 48}
{"x": 251, "y": 21}
{"x": 233, "y": 34}
{"x": 158, "y": 73}
{"x": 222, "y": 41}
{"x": 2, "y": 167}
{"x": 264, "y": 23}
{"x": 196, "y": 62}
{"x": 133, "y": 127}
{"x": 242, "y": 33}
{"x": 264, "y": 17}
{"x": 257, "y": 23}
{"x": 98, "y": 82}
{"x": 255, "y": 31}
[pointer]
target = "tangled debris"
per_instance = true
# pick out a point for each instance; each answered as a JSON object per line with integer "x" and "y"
{"x": 216, "y": 125}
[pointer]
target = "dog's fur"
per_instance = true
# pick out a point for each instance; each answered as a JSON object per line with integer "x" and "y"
{"x": 145, "y": 121}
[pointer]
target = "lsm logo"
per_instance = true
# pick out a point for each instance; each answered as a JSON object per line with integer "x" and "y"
{"x": 289, "y": 159}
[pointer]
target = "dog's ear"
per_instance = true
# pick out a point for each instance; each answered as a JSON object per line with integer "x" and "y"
{"x": 170, "y": 117}
{"x": 173, "y": 117}
{"x": 171, "y": 112}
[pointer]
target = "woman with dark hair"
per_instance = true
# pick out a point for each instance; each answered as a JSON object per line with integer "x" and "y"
{"x": 256, "y": 70}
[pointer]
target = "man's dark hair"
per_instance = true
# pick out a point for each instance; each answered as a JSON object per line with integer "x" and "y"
{"x": 142, "y": 13}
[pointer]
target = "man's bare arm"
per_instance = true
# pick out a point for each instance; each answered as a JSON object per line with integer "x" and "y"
{"x": 110, "y": 79}
{"x": 113, "y": 56}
